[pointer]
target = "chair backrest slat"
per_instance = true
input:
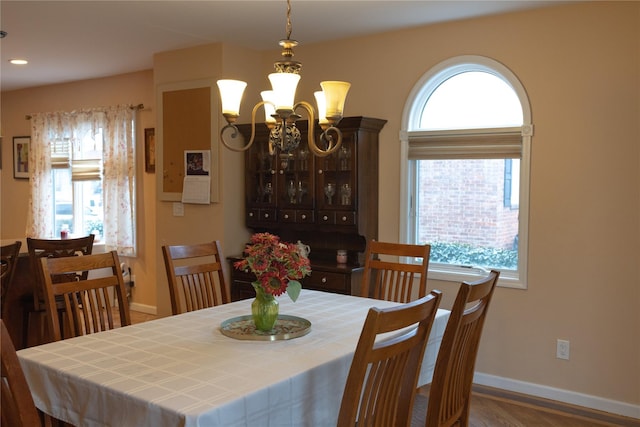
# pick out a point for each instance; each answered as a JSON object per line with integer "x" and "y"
{"x": 195, "y": 276}
{"x": 395, "y": 280}
{"x": 382, "y": 380}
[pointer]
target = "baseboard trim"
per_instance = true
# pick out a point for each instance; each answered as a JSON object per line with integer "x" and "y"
{"x": 143, "y": 308}
{"x": 560, "y": 395}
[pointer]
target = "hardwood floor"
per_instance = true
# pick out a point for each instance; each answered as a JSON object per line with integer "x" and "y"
{"x": 139, "y": 317}
{"x": 498, "y": 408}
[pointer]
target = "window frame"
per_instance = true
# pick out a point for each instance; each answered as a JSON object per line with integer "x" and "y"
{"x": 414, "y": 106}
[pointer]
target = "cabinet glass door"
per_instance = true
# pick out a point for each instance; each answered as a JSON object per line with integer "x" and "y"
{"x": 261, "y": 177}
{"x": 261, "y": 186}
{"x": 336, "y": 187}
{"x": 296, "y": 180}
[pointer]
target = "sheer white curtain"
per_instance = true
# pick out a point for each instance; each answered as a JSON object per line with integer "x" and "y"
{"x": 44, "y": 128}
{"x": 117, "y": 125}
{"x": 118, "y": 184}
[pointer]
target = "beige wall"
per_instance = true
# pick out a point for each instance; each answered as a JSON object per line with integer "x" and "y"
{"x": 224, "y": 220}
{"x": 580, "y": 65}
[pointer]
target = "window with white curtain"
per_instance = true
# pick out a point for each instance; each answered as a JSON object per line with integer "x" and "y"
{"x": 83, "y": 179}
{"x": 77, "y": 183}
{"x": 466, "y": 160}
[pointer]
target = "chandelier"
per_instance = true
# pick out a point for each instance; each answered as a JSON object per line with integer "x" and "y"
{"x": 281, "y": 110}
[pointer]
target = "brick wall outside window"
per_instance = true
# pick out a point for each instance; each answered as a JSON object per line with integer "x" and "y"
{"x": 466, "y": 204}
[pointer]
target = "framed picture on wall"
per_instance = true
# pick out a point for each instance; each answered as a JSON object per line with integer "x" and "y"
{"x": 150, "y": 150}
{"x": 21, "y": 157}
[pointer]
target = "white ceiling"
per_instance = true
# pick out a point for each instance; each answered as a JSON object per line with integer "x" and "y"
{"x": 76, "y": 40}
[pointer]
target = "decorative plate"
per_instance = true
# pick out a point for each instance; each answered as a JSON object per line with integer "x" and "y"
{"x": 286, "y": 328}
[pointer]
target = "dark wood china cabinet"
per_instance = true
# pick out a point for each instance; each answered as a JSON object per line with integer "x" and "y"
{"x": 329, "y": 203}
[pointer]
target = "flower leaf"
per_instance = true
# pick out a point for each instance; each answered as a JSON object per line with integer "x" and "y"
{"x": 293, "y": 289}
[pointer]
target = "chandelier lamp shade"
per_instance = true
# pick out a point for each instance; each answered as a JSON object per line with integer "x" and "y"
{"x": 281, "y": 109}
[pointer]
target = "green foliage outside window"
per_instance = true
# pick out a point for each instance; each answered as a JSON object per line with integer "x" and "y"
{"x": 93, "y": 226}
{"x": 462, "y": 254}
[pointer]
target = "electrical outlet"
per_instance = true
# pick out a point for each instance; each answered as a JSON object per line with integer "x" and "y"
{"x": 562, "y": 349}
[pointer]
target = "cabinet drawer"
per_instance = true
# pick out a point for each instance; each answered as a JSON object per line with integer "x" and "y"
{"x": 345, "y": 218}
{"x": 337, "y": 217}
{"x": 288, "y": 215}
{"x": 261, "y": 215}
{"x": 257, "y": 216}
{"x": 327, "y": 281}
{"x": 326, "y": 217}
{"x": 304, "y": 217}
{"x": 296, "y": 216}
{"x": 253, "y": 215}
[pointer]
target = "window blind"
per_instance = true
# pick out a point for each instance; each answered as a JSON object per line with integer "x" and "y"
{"x": 85, "y": 170}
{"x": 60, "y": 154}
{"x": 465, "y": 144}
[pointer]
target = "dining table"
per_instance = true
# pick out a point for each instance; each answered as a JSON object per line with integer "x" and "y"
{"x": 187, "y": 370}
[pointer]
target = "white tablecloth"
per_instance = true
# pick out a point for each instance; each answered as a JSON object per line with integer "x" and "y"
{"x": 181, "y": 371}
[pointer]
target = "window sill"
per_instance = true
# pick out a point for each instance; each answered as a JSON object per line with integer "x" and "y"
{"x": 506, "y": 280}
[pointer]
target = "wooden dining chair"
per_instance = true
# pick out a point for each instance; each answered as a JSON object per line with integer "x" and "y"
{"x": 450, "y": 390}
{"x": 195, "y": 275}
{"x": 18, "y": 408}
{"x": 87, "y": 303}
{"x": 8, "y": 262}
{"x": 395, "y": 280}
{"x": 383, "y": 377}
{"x": 50, "y": 248}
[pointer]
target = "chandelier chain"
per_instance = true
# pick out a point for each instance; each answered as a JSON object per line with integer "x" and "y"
{"x": 288, "y": 30}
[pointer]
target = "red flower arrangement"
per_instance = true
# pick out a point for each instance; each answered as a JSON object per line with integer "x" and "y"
{"x": 278, "y": 266}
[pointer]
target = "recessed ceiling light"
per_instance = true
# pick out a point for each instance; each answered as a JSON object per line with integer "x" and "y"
{"x": 19, "y": 61}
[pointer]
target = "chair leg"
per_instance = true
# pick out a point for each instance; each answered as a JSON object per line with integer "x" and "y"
{"x": 34, "y": 331}
{"x": 26, "y": 325}
{"x": 43, "y": 329}
{"x": 49, "y": 421}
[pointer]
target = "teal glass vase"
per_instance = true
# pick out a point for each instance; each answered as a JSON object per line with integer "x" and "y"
{"x": 264, "y": 310}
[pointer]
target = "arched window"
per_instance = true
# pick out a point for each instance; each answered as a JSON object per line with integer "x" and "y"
{"x": 466, "y": 137}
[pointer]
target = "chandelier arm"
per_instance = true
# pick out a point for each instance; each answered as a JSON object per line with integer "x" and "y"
{"x": 309, "y": 108}
{"x": 311, "y": 123}
{"x": 331, "y": 148}
{"x": 235, "y": 131}
{"x": 313, "y": 147}
{"x": 233, "y": 135}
